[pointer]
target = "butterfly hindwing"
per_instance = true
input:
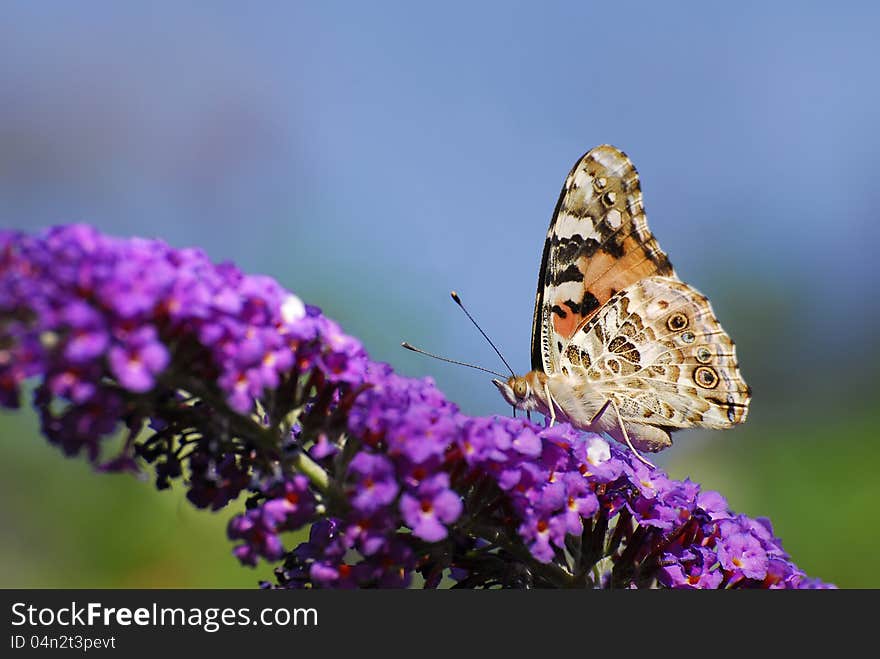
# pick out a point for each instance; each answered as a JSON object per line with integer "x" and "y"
{"x": 657, "y": 350}
{"x": 598, "y": 244}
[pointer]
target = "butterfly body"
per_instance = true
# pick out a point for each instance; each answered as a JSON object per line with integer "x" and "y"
{"x": 579, "y": 405}
{"x": 620, "y": 344}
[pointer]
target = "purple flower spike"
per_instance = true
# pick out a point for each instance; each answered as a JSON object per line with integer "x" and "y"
{"x": 234, "y": 386}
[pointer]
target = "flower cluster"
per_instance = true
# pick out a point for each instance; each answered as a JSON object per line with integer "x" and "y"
{"x": 232, "y": 384}
{"x": 127, "y": 330}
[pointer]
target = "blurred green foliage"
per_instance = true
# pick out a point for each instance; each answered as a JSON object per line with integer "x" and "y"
{"x": 65, "y": 526}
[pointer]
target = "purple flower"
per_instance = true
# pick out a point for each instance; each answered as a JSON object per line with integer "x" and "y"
{"x": 88, "y": 334}
{"x": 422, "y": 435}
{"x": 213, "y": 484}
{"x": 743, "y": 553}
{"x": 664, "y": 504}
{"x": 371, "y": 534}
{"x": 696, "y": 569}
{"x": 527, "y": 443}
{"x": 323, "y": 447}
{"x": 242, "y": 387}
{"x": 782, "y": 574}
{"x": 650, "y": 482}
{"x": 138, "y": 359}
{"x": 581, "y": 502}
{"x": 485, "y": 441}
{"x": 595, "y": 459}
{"x": 342, "y": 359}
{"x": 374, "y": 482}
{"x": 131, "y": 290}
{"x": 548, "y": 497}
{"x": 430, "y": 507}
{"x": 537, "y": 534}
{"x": 714, "y": 504}
{"x": 289, "y": 504}
{"x": 76, "y": 384}
{"x": 259, "y": 534}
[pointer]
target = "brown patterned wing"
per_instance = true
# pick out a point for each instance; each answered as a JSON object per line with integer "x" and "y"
{"x": 657, "y": 349}
{"x": 598, "y": 244}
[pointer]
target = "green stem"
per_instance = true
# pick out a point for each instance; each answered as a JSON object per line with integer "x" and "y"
{"x": 311, "y": 470}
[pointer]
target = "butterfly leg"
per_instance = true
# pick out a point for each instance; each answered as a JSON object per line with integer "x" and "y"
{"x": 625, "y": 434}
{"x": 600, "y": 412}
{"x": 550, "y": 402}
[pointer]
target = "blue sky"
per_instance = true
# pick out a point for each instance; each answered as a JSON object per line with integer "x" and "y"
{"x": 373, "y": 157}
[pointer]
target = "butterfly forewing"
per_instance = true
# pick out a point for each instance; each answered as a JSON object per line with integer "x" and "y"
{"x": 657, "y": 350}
{"x": 598, "y": 244}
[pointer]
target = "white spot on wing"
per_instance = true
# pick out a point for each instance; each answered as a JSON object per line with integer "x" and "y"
{"x": 582, "y": 179}
{"x": 611, "y": 160}
{"x": 570, "y": 290}
{"x": 568, "y": 225}
{"x": 614, "y": 218}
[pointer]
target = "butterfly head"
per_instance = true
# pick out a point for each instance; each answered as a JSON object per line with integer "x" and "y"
{"x": 519, "y": 391}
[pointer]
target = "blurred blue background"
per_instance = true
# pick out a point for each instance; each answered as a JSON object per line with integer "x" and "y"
{"x": 373, "y": 156}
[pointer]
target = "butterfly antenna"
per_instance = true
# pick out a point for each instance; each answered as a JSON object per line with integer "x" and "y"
{"x": 471, "y": 318}
{"x": 450, "y": 361}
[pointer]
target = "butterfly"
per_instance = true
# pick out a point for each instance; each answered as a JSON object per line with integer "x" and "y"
{"x": 619, "y": 343}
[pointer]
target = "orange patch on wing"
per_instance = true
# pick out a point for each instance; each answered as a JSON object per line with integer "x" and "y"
{"x": 566, "y": 327}
{"x": 605, "y": 275}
